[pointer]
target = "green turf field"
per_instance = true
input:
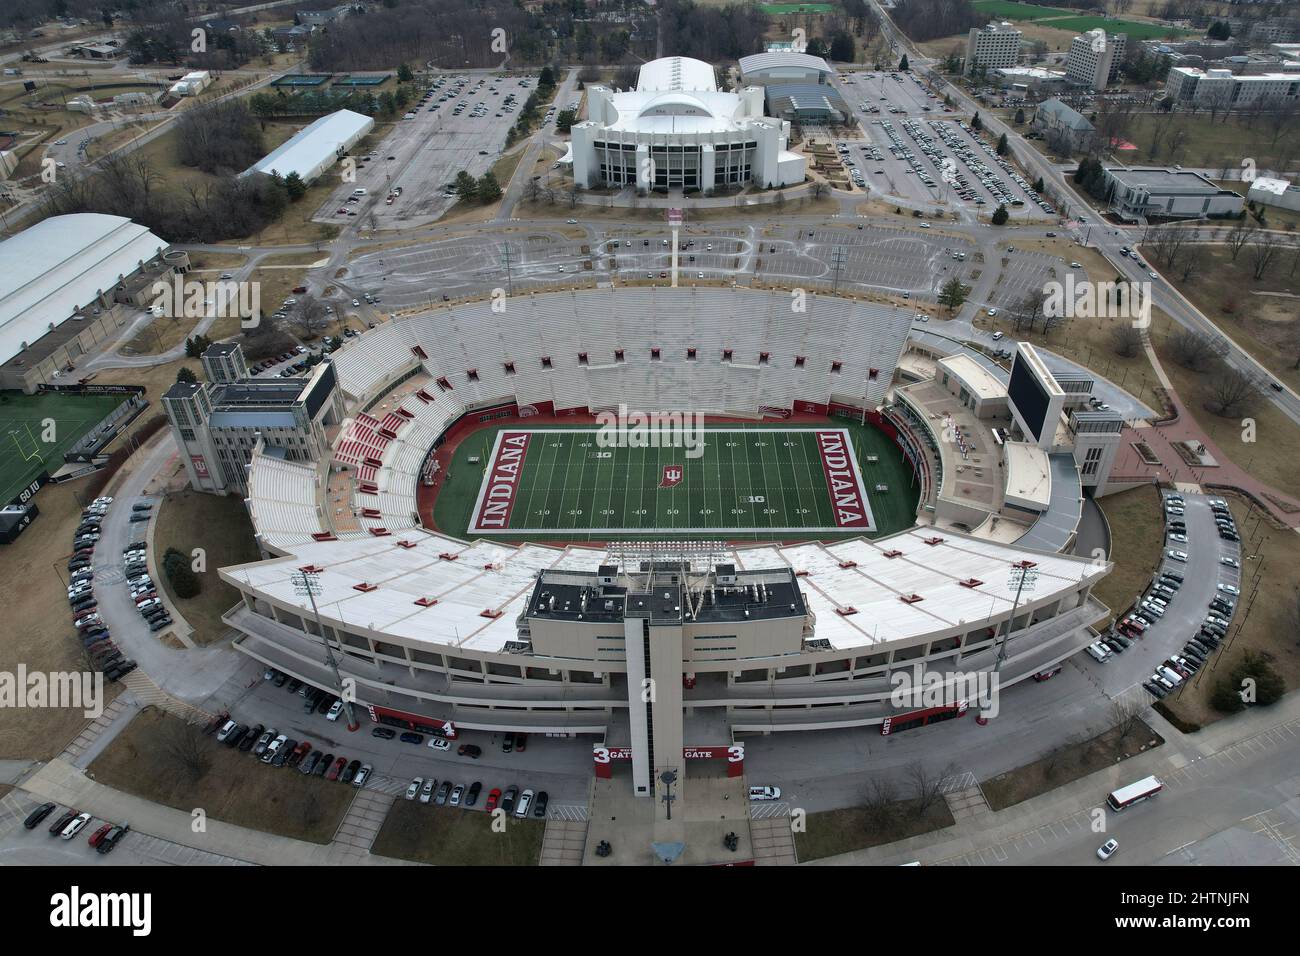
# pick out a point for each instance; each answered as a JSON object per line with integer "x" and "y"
{"x": 70, "y": 416}
{"x": 749, "y": 483}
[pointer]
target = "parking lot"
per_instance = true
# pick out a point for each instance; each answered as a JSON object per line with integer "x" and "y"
{"x": 1209, "y": 567}
{"x": 915, "y": 149}
{"x": 460, "y": 124}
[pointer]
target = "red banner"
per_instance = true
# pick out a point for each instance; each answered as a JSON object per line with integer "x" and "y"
{"x": 734, "y": 754}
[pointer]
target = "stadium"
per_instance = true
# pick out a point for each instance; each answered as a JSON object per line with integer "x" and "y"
{"x": 785, "y": 520}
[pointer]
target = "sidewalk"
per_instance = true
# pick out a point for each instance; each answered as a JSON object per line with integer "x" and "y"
{"x": 984, "y": 830}
{"x": 63, "y": 783}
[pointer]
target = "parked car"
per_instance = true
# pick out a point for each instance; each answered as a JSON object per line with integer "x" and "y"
{"x": 444, "y": 791}
{"x": 1107, "y": 849}
{"x": 74, "y": 826}
{"x": 336, "y": 769}
{"x": 112, "y": 839}
{"x": 36, "y": 816}
{"x": 471, "y": 795}
{"x": 413, "y": 789}
{"x": 472, "y": 751}
{"x": 362, "y": 775}
{"x": 493, "y": 799}
{"x": 765, "y": 793}
{"x": 539, "y": 804}
{"x": 411, "y": 737}
{"x": 508, "y": 799}
{"x": 525, "y": 803}
{"x": 383, "y": 733}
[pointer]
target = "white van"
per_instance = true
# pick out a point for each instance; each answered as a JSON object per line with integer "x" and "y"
{"x": 525, "y": 801}
{"x": 358, "y": 192}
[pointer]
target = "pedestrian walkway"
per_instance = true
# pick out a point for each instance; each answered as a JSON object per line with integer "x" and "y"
{"x": 122, "y": 707}
{"x": 564, "y": 842}
{"x": 148, "y": 693}
{"x": 773, "y": 841}
{"x": 361, "y": 824}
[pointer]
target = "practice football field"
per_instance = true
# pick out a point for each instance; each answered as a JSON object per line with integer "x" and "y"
{"x": 23, "y": 419}
{"x": 806, "y": 481}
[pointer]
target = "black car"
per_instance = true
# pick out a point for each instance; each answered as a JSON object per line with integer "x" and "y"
{"x": 539, "y": 803}
{"x": 236, "y": 736}
{"x": 350, "y": 771}
{"x": 39, "y": 814}
{"x": 57, "y": 826}
{"x": 159, "y": 624}
{"x": 120, "y": 670}
{"x": 383, "y": 733}
{"x": 325, "y": 702}
{"x": 323, "y": 765}
{"x": 310, "y": 763}
{"x": 470, "y": 750}
{"x": 508, "y": 799}
{"x": 294, "y": 685}
{"x": 145, "y": 506}
{"x": 140, "y": 517}
{"x": 411, "y": 737}
{"x": 280, "y": 679}
{"x": 282, "y": 755}
{"x": 471, "y": 795}
{"x": 507, "y": 743}
{"x": 111, "y": 839}
{"x": 251, "y": 738}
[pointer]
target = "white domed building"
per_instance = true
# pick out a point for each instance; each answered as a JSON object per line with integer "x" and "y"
{"x": 678, "y": 130}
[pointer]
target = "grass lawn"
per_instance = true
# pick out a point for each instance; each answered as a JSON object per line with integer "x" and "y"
{"x": 1067, "y": 763}
{"x": 161, "y": 334}
{"x": 1008, "y": 10}
{"x": 35, "y": 431}
{"x": 1210, "y": 143}
{"x": 37, "y": 633}
{"x": 832, "y": 832}
{"x": 451, "y": 836}
{"x": 204, "y": 261}
{"x": 1270, "y": 458}
{"x": 1266, "y": 326}
{"x": 235, "y": 787}
{"x": 1271, "y": 558}
{"x": 1136, "y": 536}
{"x": 221, "y": 527}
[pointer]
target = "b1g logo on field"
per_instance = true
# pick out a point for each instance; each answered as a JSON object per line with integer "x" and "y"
{"x": 673, "y": 475}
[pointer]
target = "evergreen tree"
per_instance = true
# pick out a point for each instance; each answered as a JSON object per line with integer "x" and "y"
{"x": 1000, "y": 216}
{"x": 466, "y": 187}
{"x": 902, "y": 64}
{"x": 489, "y": 190}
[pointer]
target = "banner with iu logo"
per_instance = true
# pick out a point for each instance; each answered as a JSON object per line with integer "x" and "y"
{"x": 673, "y": 475}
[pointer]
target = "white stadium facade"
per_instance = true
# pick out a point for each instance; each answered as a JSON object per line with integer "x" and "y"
{"x": 440, "y": 633}
{"x": 677, "y": 130}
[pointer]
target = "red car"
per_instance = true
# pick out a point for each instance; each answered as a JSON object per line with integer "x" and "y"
{"x": 300, "y": 751}
{"x": 98, "y": 835}
{"x": 494, "y": 797}
{"x": 521, "y": 743}
{"x": 216, "y": 722}
{"x": 336, "y": 769}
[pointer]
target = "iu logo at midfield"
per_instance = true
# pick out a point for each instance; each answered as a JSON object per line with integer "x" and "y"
{"x": 672, "y": 476}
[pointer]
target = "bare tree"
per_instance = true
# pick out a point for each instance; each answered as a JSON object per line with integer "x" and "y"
{"x": 1126, "y": 339}
{"x": 310, "y": 317}
{"x": 1264, "y": 249}
{"x": 1237, "y": 238}
{"x": 880, "y": 804}
{"x": 184, "y": 743}
{"x": 927, "y": 788}
{"x": 1191, "y": 349}
{"x": 1232, "y": 391}
{"x": 1126, "y": 712}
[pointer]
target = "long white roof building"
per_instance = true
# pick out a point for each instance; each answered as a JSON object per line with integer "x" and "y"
{"x": 315, "y": 148}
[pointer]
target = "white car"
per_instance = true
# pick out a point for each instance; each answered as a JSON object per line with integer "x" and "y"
{"x": 362, "y": 775}
{"x": 426, "y": 792}
{"x": 1107, "y": 849}
{"x": 571, "y": 222}
{"x": 993, "y": 313}
{"x": 1176, "y": 555}
{"x": 1180, "y": 538}
{"x": 439, "y": 743}
{"x": 355, "y": 303}
{"x": 1153, "y": 275}
{"x": 1230, "y": 589}
{"x": 1230, "y": 562}
{"x": 925, "y": 225}
{"x": 76, "y": 826}
{"x": 765, "y": 793}
{"x": 413, "y": 790}
{"x": 336, "y": 708}
{"x": 1099, "y": 652}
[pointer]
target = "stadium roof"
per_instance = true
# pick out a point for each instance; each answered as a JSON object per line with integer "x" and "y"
{"x": 675, "y": 73}
{"x": 783, "y": 61}
{"x": 61, "y": 264}
{"x": 315, "y": 147}
{"x": 936, "y": 568}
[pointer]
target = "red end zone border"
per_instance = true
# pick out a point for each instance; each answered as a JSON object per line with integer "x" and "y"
{"x": 848, "y": 497}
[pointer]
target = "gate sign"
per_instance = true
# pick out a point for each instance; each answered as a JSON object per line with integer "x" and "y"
{"x": 733, "y": 754}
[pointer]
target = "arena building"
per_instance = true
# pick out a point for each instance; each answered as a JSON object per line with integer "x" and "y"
{"x": 316, "y": 147}
{"x": 69, "y": 284}
{"x": 678, "y": 130}
{"x": 773, "y": 632}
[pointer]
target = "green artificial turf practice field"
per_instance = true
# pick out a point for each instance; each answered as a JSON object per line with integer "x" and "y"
{"x": 747, "y": 482}
{"x": 24, "y": 421}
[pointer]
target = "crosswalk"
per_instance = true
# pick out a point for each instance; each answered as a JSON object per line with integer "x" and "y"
{"x": 768, "y": 811}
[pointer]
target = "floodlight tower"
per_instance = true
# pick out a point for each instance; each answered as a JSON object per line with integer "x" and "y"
{"x": 675, "y": 223}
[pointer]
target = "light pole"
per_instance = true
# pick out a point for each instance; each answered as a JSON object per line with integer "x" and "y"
{"x": 668, "y": 778}
{"x": 305, "y": 582}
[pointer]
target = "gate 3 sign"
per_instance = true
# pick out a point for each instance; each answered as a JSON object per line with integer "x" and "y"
{"x": 734, "y": 755}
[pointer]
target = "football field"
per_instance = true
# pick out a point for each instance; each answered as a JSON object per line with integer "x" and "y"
{"x": 729, "y": 482}
{"x": 35, "y": 431}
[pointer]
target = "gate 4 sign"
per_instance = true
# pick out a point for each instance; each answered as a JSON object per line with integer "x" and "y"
{"x": 673, "y": 475}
